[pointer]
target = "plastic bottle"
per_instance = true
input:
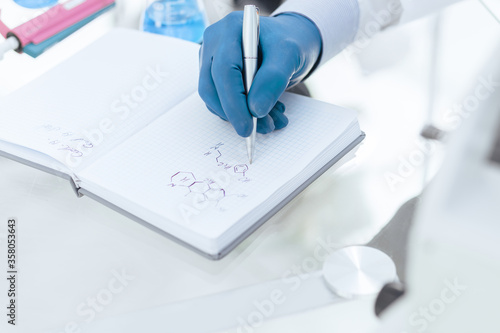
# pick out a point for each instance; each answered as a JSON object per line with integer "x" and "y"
{"x": 35, "y": 3}
{"x": 183, "y": 19}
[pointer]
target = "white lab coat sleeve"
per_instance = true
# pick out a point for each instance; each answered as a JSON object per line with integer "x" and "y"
{"x": 376, "y": 15}
{"x": 342, "y": 22}
{"x": 337, "y": 21}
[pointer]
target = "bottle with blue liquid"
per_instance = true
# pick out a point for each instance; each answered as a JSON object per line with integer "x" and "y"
{"x": 183, "y": 19}
{"x": 35, "y": 3}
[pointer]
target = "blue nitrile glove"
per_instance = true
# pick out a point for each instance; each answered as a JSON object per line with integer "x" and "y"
{"x": 290, "y": 45}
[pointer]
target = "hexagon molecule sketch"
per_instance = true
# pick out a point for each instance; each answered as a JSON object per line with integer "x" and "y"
{"x": 183, "y": 179}
{"x": 199, "y": 187}
{"x": 215, "y": 194}
{"x": 242, "y": 168}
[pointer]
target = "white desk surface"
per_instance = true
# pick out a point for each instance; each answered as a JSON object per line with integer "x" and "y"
{"x": 70, "y": 248}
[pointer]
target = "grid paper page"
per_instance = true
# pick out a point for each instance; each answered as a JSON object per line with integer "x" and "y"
{"x": 94, "y": 100}
{"x": 189, "y": 170}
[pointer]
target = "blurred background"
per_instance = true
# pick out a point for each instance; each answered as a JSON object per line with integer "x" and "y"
{"x": 404, "y": 78}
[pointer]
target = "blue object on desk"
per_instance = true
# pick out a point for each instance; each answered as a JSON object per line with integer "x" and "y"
{"x": 35, "y": 3}
{"x": 180, "y": 19}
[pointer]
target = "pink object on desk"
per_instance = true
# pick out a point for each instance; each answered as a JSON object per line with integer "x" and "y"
{"x": 3, "y": 28}
{"x": 55, "y": 20}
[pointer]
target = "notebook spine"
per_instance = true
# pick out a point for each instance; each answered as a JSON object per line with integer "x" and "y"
{"x": 75, "y": 184}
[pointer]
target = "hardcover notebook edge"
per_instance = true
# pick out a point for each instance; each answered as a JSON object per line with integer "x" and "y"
{"x": 231, "y": 246}
{"x": 43, "y": 168}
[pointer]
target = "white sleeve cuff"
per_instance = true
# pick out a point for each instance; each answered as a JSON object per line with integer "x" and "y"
{"x": 337, "y": 21}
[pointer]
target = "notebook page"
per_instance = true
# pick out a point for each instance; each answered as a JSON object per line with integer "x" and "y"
{"x": 93, "y": 101}
{"x": 188, "y": 172}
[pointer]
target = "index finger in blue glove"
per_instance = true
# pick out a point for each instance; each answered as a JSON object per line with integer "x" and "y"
{"x": 228, "y": 79}
{"x": 206, "y": 86}
{"x": 216, "y": 113}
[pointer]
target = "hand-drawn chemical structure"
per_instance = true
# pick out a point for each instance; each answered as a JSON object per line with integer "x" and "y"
{"x": 241, "y": 168}
{"x": 61, "y": 139}
{"x": 238, "y": 169}
{"x": 214, "y": 148}
{"x": 206, "y": 190}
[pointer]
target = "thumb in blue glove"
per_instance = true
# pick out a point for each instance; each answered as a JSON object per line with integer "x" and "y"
{"x": 290, "y": 45}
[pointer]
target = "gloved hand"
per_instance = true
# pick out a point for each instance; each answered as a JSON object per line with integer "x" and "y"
{"x": 290, "y": 45}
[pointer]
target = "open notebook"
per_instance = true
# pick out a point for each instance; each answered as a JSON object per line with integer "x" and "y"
{"x": 122, "y": 120}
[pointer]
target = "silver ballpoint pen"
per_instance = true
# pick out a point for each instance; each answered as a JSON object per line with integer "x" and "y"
{"x": 250, "y": 39}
